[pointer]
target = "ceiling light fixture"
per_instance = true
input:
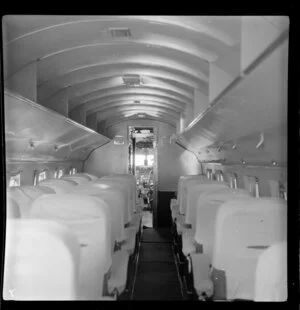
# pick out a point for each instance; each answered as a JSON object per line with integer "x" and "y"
{"x": 132, "y": 80}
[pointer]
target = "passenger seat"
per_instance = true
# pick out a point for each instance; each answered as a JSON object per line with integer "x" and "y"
{"x": 41, "y": 261}
{"x": 88, "y": 218}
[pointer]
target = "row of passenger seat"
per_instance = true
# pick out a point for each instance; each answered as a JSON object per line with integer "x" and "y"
{"x": 223, "y": 238}
{"x": 73, "y": 238}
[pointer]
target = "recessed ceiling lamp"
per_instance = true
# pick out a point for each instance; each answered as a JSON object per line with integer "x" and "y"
{"x": 120, "y": 32}
{"x": 132, "y": 80}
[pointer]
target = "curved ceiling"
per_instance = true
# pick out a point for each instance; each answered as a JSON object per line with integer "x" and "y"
{"x": 85, "y": 57}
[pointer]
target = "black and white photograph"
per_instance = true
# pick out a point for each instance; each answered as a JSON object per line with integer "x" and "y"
{"x": 145, "y": 158}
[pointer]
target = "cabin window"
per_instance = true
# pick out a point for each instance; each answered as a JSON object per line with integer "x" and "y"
{"x": 233, "y": 181}
{"x": 252, "y": 184}
{"x": 282, "y": 191}
{"x": 209, "y": 174}
{"x": 60, "y": 173}
{"x": 256, "y": 188}
{"x": 15, "y": 180}
{"x": 42, "y": 176}
{"x": 35, "y": 177}
{"x": 220, "y": 176}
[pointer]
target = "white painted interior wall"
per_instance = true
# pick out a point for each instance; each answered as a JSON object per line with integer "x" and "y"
{"x": 172, "y": 160}
{"x": 27, "y": 169}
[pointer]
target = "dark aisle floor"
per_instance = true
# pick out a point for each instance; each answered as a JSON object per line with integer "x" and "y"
{"x": 157, "y": 275}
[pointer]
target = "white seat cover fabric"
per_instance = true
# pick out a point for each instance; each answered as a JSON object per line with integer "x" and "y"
{"x": 132, "y": 179}
{"x": 60, "y": 186}
{"x": 114, "y": 200}
{"x": 89, "y": 175}
{"x": 88, "y": 218}
{"x": 12, "y": 208}
{"x": 125, "y": 184}
{"x": 194, "y": 191}
{"x": 78, "y": 178}
{"x": 201, "y": 275}
{"x": 25, "y": 195}
{"x": 175, "y": 211}
{"x": 130, "y": 240}
{"x": 181, "y": 184}
{"x": 118, "y": 278}
{"x": 204, "y": 215}
{"x": 243, "y": 229}
{"x": 41, "y": 261}
{"x": 208, "y": 205}
{"x": 122, "y": 188}
{"x": 189, "y": 183}
{"x": 173, "y": 203}
{"x": 132, "y": 185}
{"x": 271, "y": 274}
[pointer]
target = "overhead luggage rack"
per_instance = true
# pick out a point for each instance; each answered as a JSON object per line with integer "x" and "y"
{"x": 36, "y": 133}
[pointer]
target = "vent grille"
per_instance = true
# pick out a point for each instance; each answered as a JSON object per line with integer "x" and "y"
{"x": 137, "y": 101}
{"x": 132, "y": 80}
{"x": 120, "y": 32}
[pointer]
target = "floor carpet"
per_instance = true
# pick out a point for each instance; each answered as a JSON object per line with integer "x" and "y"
{"x": 156, "y": 276}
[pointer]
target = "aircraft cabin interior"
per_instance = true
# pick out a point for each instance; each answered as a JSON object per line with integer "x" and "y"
{"x": 145, "y": 158}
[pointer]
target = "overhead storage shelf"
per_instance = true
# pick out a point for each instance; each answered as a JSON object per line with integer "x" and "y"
{"x": 36, "y": 133}
{"x": 254, "y": 102}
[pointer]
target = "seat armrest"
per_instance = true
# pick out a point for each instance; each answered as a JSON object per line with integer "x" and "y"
{"x": 203, "y": 283}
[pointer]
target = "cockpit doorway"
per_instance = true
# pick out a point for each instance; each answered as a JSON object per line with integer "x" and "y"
{"x": 142, "y": 164}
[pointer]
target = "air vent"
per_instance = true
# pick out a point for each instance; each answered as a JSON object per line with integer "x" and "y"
{"x": 137, "y": 101}
{"x": 132, "y": 80}
{"x": 120, "y": 32}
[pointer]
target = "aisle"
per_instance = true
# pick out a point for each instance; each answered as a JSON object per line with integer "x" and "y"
{"x": 157, "y": 275}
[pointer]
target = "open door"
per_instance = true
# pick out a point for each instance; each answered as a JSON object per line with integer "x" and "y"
{"x": 142, "y": 163}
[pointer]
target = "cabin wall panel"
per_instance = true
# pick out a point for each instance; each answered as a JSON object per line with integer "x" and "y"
{"x": 107, "y": 159}
{"x": 264, "y": 174}
{"x": 59, "y": 102}
{"x": 27, "y": 169}
{"x": 91, "y": 121}
{"x": 257, "y": 34}
{"x": 24, "y": 82}
{"x": 78, "y": 115}
{"x": 200, "y": 102}
{"x": 218, "y": 80}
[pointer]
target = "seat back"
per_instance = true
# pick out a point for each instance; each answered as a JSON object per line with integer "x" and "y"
{"x": 184, "y": 183}
{"x": 89, "y": 175}
{"x": 121, "y": 188}
{"x": 194, "y": 191}
{"x": 122, "y": 183}
{"x": 25, "y": 195}
{"x": 88, "y": 218}
{"x": 244, "y": 229}
{"x": 60, "y": 186}
{"x": 206, "y": 212}
{"x": 132, "y": 180}
{"x": 77, "y": 178}
{"x": 271, "y": 274}
{"x": 12, "y": 208}
{"x": 41, "y": 261}
{"x": 114, "y": 199}
{"x": 181, "y": 182}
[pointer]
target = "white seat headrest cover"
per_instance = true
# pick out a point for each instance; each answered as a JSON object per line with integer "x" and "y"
{"x": 206, "y": 213}
{"x": 12, "y": 208}
{"x": 271, "y": 274}
{"x": 244, "y": 228}
{"x": 41, "y": 261}
{"x": 89, "y": 219}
